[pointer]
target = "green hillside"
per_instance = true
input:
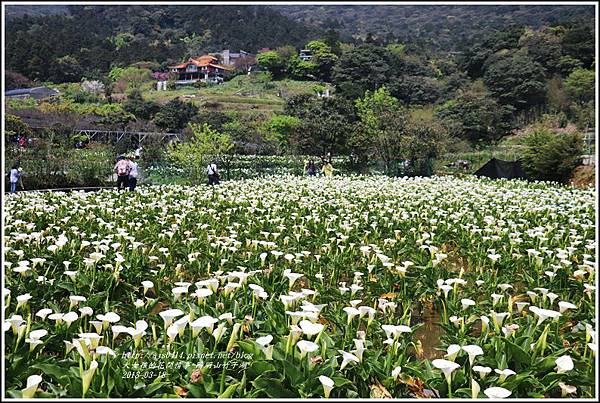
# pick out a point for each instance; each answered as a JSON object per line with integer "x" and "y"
{"x": 56, "y": 48}
{"x": 440, "y": 27}
{"x": 240, "y": 94}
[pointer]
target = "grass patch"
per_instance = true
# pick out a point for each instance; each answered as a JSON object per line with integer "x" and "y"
{"x": 255, "y": 89}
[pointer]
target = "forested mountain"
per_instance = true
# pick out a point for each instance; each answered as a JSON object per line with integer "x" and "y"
{"x": 92, "y": 38}
{"x": 439, "y": 27}
{"x": 34, "y": 11}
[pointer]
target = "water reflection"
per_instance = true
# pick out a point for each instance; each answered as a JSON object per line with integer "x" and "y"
{"x": 429, "y": 333}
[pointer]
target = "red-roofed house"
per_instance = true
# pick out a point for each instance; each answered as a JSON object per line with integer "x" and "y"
{"x": 204, "y": 68}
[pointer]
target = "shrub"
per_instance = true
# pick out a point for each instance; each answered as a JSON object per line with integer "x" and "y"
{"x": 49, "y": 166}
{"x": 93, "y": 86}
{"x": 16, "y": 80}
{"x": 175, "y": 115}
{"x": 205, "y": 144}
{"x": 15, "y": 126}
{"x": 136, "y": 105}
{"x": 552, "y": 157}
{"x": 153, "y": 151}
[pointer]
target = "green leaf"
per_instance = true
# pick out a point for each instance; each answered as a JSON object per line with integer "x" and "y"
{"x": 536, "y": 395}
{"x": 259, "y": 367}
{"x": 57, "y": 372}
{"x": 250, "y": 347}
{"x": 519, "y": 355}
{"x": 153, "y": 387}
{"x": 340, "y": 381}
{"x": 195, "y": 390}
{"x": 292, "y": 373}
{"x": 272, "y": 387}
{"x": 15, "y": 394}
{"x": 229, "y": 391}
{"x": 545, "y": 364}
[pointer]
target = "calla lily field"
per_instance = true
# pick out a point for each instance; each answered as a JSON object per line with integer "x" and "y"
{"x": 293, "y": 287}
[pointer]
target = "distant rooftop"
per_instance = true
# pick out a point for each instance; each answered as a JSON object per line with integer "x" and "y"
{"x": 36, "y": 92}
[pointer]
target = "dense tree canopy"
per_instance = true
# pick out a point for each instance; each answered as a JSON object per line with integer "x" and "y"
{"x": 363, "y": 68}
{"x": 175, "y": 115}
{"x": 97, "y": 37}
{"x": 516, "y": 80}
{"x": 473, "y": 115}
{"x": 325, "y": 124}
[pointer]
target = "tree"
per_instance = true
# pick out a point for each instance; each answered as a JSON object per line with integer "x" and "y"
{"x": 397, "y": 49}
{"x": 280, "y": 128}
{"x": 324, "y": 59}
{"x": 195, "y": 44}
{"x": 15, "y": 126}
{"x": 585, "y": 115}
{"x": 215, "y": 119}
{"x": 557, "y": 96}
{"x": 206, "y": 144}
{"x": 406, "y": 142}
{"x": 475, "y": 58}
{"x": 136, "y": 105}
{"x": 324, "y": 124}
{"x": 273, "y": 62}
{"x": 380, "y": 130}
{"x": 424, "y": 140}
{"x": 65, "y": 69}
{"x": 516, "y": 80}
{"x": 333, "y": 40}
{"x": 117, "y": 118}
{"x": 301, "y": 69}
{"x": 121, "y": 40}
{"x": 416, "y": 90}
{"x": 579, "y": 43}
{"x": 581, "y": 84}
{"x": 131, "y": 79}
{"x": 175, "y": 115}
{"x": 543, "y": 47}
{"x": 552, "y": 157}
{"x": 365, "y": 67}
{"x": 566, "y": 64}
{"x": 474, "y": 116}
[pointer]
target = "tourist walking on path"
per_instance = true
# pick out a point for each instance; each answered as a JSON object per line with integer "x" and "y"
{"x": 122, "y": 169}
{"x": 213, "y": 173}
{"x": 15, "y": 175}
{"x": 133, "y": 174}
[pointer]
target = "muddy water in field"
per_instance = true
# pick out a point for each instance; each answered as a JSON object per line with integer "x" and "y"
{"x": 430, "y": 333}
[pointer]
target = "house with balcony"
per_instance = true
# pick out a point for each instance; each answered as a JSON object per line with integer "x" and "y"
{"x": 204, "y": 68}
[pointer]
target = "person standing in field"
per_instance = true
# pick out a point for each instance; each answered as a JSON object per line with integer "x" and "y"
{"x": 133, "y": 174}
{"x": 213, "y": 173}
{"x": 122, "y": 169}
{"x": 311, "y": 169}
{"x": 15, "y": 174}
{"x": 328, "y": 169}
